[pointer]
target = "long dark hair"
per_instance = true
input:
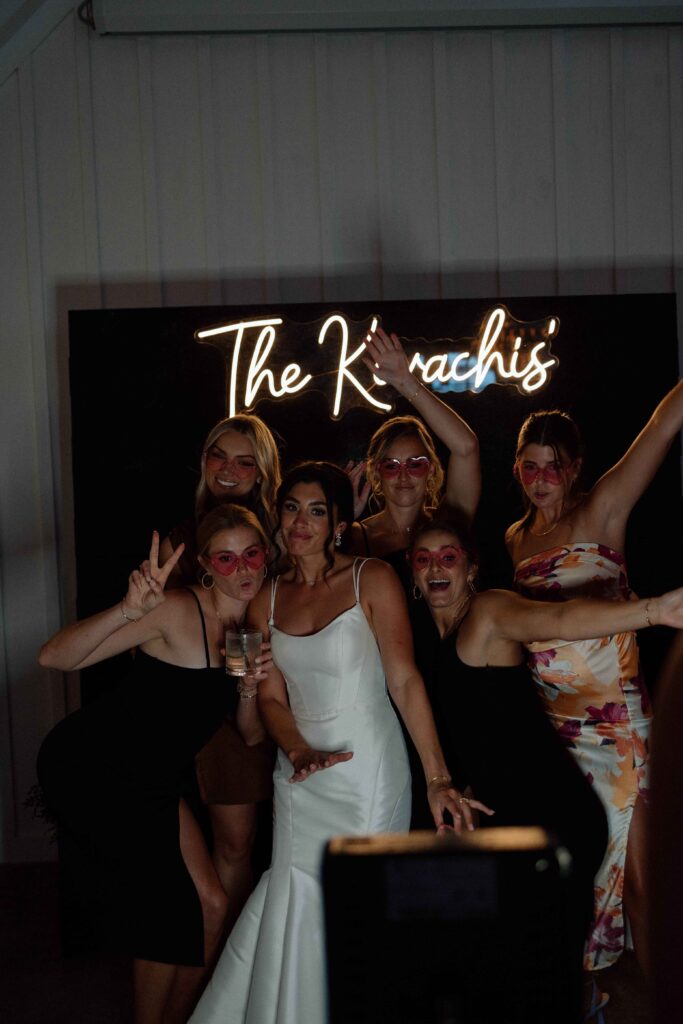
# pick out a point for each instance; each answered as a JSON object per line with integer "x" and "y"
{"x": 554, "y": 429}
{"x": 336, "y": 488}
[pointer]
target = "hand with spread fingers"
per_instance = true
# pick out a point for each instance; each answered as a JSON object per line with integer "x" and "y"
{"x": 387, "y": 359}
{"x": 307, "y": 761}
{"x": 443, "y": 796}
{"x": 146, "y": 584}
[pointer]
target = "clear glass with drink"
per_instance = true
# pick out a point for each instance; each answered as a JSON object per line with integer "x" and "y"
{"x": 242, "y": 647}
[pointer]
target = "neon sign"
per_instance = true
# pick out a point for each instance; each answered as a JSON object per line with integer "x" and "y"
{"x": 506, "y": 351}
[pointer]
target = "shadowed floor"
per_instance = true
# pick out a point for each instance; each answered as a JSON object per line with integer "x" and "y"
{"x": 39, "y": 986}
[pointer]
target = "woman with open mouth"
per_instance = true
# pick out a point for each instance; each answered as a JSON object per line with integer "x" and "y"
{"x": 486, "y": 705}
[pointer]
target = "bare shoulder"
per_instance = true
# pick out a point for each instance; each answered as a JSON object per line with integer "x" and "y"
{"x": 377, "y": 572}
{"x": 514, "y": 536}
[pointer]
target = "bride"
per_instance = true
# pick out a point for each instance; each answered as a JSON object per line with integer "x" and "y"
{"x": 339, "y": 632}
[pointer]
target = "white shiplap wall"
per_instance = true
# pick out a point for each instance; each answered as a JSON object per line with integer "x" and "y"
{"x": 189, "y": 170}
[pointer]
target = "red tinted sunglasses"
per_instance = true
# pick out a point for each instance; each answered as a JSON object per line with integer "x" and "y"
{"x": 242, "y": 465}
{"x": 417, "y": 465}
{"x": 225, "y": 563}
{"x": 446, "y": 557}
{"x": 553, "y": 473}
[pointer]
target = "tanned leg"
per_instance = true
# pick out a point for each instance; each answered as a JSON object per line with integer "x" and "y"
{"x": 234, "y": 828}
{"x": 635, "y": 895}
{"x": 189, "y": 982}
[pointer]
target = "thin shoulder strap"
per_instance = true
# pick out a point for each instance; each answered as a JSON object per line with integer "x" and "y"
{"x": 201, "y": 616}
{"x": 366, "y": 539}
{"x": 357, "y": 569}
{"x": 273, "y": 591}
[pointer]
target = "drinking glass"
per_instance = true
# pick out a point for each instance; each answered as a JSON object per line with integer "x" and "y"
{"x": 241, "y": 650}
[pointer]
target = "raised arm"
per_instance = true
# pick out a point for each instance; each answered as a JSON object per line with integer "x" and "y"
{"x": 135, "y": 620}
{"x": 510, "y": 617}
{"x": 387, "y": 359}
{"x": 276, "y": 713}
{"x": 384, "y": 604}
{"x": 615, "y": 493}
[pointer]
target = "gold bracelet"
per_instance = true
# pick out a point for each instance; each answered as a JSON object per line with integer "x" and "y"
{"x": 248, "y": 695}
{"x": 647, "y": 611}
{"x": 415, "y": 393}
{"x": 440, "y": 778}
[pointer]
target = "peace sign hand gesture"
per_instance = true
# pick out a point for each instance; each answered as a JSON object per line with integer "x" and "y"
{"x": 146, "y": 584}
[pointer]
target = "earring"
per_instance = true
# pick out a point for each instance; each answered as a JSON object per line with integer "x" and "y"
{"x": 207, "y": 581}
{"x": 337, "y": 540}
{"x": 265, "y": 571}
{"x": 417, "y": 593}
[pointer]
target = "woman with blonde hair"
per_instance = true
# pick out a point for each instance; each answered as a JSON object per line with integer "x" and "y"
{"x": 402, "y": 469}
{"x": 239, "y": 463}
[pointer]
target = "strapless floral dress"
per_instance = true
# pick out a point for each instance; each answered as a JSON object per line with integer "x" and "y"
{"x": 594, "y": 695}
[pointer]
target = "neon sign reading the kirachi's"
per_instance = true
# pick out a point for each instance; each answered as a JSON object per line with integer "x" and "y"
{"x": 507, "y": 351}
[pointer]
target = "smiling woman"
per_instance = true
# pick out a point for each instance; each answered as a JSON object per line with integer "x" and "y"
{"x": 340, "y": 635}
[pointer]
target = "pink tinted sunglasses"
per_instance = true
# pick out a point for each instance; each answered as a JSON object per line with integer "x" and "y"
{"x": 242, "y": 465}
{"x": 417, "y": 465}
{"x": 553, "y": 473}
{"x": 225, "y": 563}
{"x": 446, "y": 557}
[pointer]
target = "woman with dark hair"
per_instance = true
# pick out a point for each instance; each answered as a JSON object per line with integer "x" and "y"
{"x": 485, "y": 701}
{"x": 112, "y": 772}
{"x": 571, "y": 543}
{"x": 340, "y": 635}
{"x": 239, "y": 463}
{"x": 403, "y": 472}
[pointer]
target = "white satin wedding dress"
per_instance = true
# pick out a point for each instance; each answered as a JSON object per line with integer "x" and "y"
{"x": 272, "y": 970}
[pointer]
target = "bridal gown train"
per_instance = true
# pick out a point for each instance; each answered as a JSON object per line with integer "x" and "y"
{"x": 272, "y": 970}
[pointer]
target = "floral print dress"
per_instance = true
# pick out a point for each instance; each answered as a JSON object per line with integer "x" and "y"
{"x": 595, "y": 697}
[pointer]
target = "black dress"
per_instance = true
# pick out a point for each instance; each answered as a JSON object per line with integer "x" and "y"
{"x": 112, "y": 774}
{"x": 514, "y": 760}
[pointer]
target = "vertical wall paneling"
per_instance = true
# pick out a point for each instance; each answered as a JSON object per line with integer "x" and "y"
{"x": 348, "y": 154}
{"x": 583, "y": 161}
{"x": 150, "y": 200}
{"x": 209, "y": 169}
{"x": 294, "y": 141}
{"x": 465, "y": 164}
{"x": 30, "y": 700}
{"x": 522, "y": 76}
{"x": 178, "y": 164}
{"x": 123, "y": 213}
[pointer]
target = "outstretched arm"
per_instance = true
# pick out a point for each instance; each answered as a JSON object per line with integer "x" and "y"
{"x": 131, "y": 622}
{"x": 387, "y": 359}
{"x": 615, "y": 493}
{"x": 515, "y": 618}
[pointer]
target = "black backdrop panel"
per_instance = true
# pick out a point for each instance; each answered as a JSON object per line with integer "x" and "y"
{"x": 144, "y": 394}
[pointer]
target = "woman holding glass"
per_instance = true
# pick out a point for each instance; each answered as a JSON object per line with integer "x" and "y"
{"x": 112, "y": 772}
{"x": 340, "y": 635}
{"x": 240, "y": 463}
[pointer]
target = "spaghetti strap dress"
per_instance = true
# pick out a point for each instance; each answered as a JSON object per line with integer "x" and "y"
{"x": 595, "y": 696}
{"x": 112, "y": 774}
{"x": 514, "y": 761}
{"x": 272, "y": 970}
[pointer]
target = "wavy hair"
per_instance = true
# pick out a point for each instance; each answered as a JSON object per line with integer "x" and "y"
{"x": 261, "y": 499}
{"x": 392, "y": 430}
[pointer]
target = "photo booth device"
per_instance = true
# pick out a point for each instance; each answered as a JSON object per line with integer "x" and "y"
{"x": 472, "y": 929}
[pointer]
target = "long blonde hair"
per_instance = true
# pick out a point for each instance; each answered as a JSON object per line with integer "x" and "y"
{"x": 261, "y": 500}
{"x": 384, "y": 437}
